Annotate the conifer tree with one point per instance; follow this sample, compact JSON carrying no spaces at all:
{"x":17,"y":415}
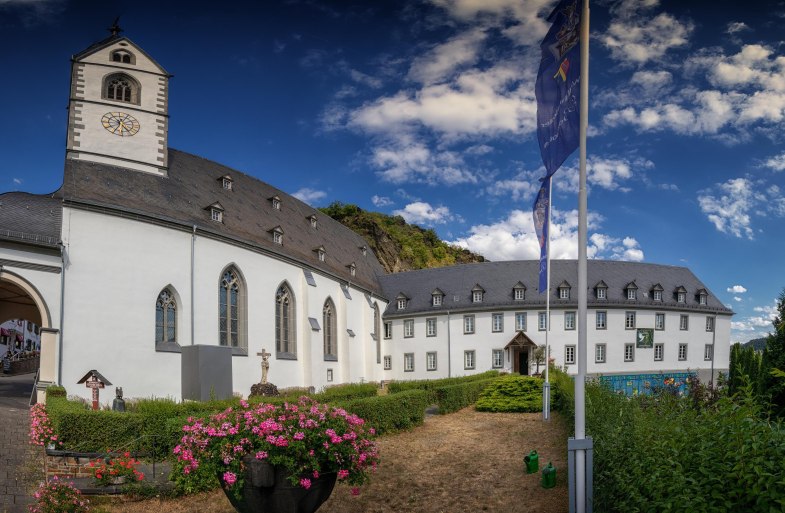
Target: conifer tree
{"x":774,"y":358}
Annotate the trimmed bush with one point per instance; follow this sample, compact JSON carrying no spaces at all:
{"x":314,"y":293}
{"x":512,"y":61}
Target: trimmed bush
{"x":432,"y":384}
{"x":455,"y":397}
{"x":512,"y":394}
{"x":394,"y":412}
{"x":347,"y":392}
{"x":55,"y":391}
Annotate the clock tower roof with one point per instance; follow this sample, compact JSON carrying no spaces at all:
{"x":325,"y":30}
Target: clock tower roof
{"x":112,"y":40}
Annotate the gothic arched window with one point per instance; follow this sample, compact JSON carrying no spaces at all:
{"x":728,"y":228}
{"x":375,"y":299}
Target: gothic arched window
{"x":285,"y":340}
{"x":231,"y":306}
{"x":165,"y":317}
{"x":123,"y":56}
{"x":330,"y":331}
{"x":120,"y":87}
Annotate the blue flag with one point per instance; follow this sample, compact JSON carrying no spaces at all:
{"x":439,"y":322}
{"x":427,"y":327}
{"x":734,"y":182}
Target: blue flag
{"x":558,"y":86}
{"x":541,"y":211}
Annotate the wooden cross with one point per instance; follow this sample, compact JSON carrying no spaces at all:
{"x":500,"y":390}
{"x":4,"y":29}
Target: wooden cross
{"x":265,"y":364}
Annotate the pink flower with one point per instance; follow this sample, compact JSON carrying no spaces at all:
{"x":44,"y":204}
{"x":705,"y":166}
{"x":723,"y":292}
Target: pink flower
{"x":355,"y":491}
{"x":343,"y":474}
{"x":230,"y":478}
{"x":305,"y":483}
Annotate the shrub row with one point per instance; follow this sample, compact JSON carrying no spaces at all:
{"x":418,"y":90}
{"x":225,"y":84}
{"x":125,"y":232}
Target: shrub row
{"x":669,"y":454}
{"x":512,"y":393}
{"x":431,"y":384}
{"x":394,"y":412}
{"x":455,"y":397}
{"x":346,"y":392}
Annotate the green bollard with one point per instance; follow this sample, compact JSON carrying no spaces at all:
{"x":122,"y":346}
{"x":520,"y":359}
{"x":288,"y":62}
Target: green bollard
{"x":549,"y":476}
{"x":532,"y":462}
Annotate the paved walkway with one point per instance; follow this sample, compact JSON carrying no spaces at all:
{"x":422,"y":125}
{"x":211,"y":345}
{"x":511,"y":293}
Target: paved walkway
{"x":17,"y":470}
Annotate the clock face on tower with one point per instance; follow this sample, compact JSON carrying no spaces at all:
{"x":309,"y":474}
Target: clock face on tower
{"x":120,"y":123}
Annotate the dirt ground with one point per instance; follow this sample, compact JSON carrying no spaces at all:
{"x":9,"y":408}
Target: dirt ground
{"x":462,"y":462}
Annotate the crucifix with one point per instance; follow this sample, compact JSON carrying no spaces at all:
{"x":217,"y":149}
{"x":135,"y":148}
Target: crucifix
{"x":265,"y":364}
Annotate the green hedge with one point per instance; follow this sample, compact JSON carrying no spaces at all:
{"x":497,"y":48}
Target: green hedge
{"x":346,"y":392}
{"x":394,"y":412}
{"x":455,"y":397}
{"x":430,"y":385}
{"x":512,"y":393}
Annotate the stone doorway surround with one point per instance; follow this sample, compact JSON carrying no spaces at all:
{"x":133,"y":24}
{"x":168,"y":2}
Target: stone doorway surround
{"x":520,"y":343}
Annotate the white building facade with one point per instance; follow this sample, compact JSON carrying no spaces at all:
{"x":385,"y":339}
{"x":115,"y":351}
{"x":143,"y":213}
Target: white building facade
{"x":145,"y":250}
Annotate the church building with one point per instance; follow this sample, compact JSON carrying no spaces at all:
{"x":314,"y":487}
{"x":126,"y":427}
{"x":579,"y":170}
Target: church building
{"x":146,"y":252}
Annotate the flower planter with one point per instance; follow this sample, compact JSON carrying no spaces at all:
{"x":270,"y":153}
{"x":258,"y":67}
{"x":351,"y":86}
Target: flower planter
{"x":267,"y":489}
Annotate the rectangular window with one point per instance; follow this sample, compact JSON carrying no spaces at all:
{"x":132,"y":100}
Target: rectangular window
{"x":629,"y":352}
{"x":401,"y":304}
{"x":477,"y":296}
{"x":684,"y":322}
{"x":564,"y":293}
{"x":217,"y":215}
{"x":408,"y":362}
{"x":702,"y":299}
{"x":708,"y":352}
{"x":468,"y":324}
{"x":497,"y":358}
{"x":329,"y":374}
{"x":629,"y":320}
{"x":408,"y":328}
{"x":681,"y":297}
{"x":468,"y":360}
{"x":659,"y":321}
{"x":569,"y":320}
{"x":659,"y":350}
{"x":602,"y":293}
{"x":430,"y":361}
{"x":520,"y":294}
{"x":430,"y":327}
{"x":542,"y":321}
{"x":657,"y":295}
{"x":437,"y":300}
{"x":277,"y":237}
{"x":387,"y":362}
{"x":497,"y":324}
{"x":682,"y":352}
{"x":569,"y":355}
{"x":388,"y":329}
{"x":599,"y":353}
{"x":709,"y":323}
{"x":632,"y":294}
{"x":602,"y":320}
{"x":520,"y":321}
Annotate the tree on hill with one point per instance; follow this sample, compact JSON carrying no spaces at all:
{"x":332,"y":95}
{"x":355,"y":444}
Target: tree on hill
{"x":774,"y":359}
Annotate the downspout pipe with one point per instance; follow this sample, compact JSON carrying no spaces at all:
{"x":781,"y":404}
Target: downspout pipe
{"x":59,"y":377}
{"x":449,"y":351}
{"x":193,"y":253}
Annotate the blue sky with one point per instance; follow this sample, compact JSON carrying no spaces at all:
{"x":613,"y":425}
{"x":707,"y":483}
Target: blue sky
{"x":425,"y":108}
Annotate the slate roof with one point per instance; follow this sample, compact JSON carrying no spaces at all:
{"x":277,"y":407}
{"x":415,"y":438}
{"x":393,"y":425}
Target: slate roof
{"x":30,"y":218}
{"x":499,"y":278}
{"x":248,"y":217}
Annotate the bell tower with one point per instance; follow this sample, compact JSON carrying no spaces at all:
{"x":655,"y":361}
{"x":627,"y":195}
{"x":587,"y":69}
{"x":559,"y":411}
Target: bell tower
{"x":118,"y":109}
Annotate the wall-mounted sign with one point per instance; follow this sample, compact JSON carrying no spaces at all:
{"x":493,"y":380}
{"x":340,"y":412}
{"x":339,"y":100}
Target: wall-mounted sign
{"x":644,"y":338}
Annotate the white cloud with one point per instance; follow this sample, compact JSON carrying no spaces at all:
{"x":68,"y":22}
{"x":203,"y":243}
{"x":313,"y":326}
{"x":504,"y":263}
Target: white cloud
{"x":514,"y":238}
{"x":423,"y":213}
{"x":309,"y":195}
{"x":443,"y":60}
{"x":737,"y":26}
{"x":737,"y":298}
{"x":17,"y":181}
{"x":381,"y":201}
{"x":634,"y":38}
{"x":412,"y":161}
{"x":737,"y":289}
{"x":730,"y":206}
{"x":777,"y":162}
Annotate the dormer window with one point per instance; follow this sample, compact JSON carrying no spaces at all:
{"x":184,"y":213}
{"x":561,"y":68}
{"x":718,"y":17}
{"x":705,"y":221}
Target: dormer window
{"x":320,"y":253}
{"x":276,"y":201}
{"x":226,"y":182}
{"x":364,"y":250}
{"x":216,"y":212}
{"x":277,"y":235}
{"x":703,"y":297}
{"x":352,"y":269}
{"x":519,"y":292}
{"x":312,"y":219}
{"x":437,"y":297}
{"x":120,"y":87}
{"x":477,"y":294}
{"x":656,"y":292}
{"x":681,"y":295}
{"x":564,"y":290}
{"x":632,"y":291}
{"x":601,"y":290}
{"x":123,"y":56}
{"x":401,"y":301}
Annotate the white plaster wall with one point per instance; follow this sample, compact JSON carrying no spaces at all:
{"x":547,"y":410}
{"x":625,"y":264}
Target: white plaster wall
{"x":46,"y":283}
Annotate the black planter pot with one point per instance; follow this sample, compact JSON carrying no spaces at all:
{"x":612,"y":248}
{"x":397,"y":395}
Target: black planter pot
{"x":267,"y":490}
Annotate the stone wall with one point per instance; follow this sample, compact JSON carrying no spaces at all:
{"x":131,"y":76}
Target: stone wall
{"x":70,"y":464}
{"x":23,"y":366}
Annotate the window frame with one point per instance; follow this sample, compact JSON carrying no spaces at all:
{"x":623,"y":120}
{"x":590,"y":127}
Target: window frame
{"x":542,"y":326}
{"x":656,"y":295}
{"x":629,"y":352}
{"x":629,"y":315}
{"x":683,"y":352}
{"x":430,"y":322}
{"x":436,"y":300}
{"x":569,"y":354}
{"x":601,"y":314}
{"x":387,"y":362}
{"x":428,"y":356}
{"x":285,"y":346}
{"x":518,"y":316}
{"x":469,"y":322}
{"x":408,"y":362}
{"x":164,"y":303}
{"x":494,"y":354}
{"x":659,"y":348}
{"x":709,"y":323}
{"x":477,"y":296}
{"x":401,"y":303}
{"x":684,"y":322}
{"x":408,"y":328}
{"x":569,"y":320}
{"x":518,"y":291}
{"x":469,"y":359}
{"x":134,"y":89}
{"x":564,"y":293}
{"x":330,"y":331}
{"x":600,"y":352}
{"x":494,"y":317}
{"x":240,"y":343}
{"x":388,"y":331}
{"x":602,"y":292}
{"x":708,"y":352}
{"x":659,"y":326}
{"x":632,"y":294}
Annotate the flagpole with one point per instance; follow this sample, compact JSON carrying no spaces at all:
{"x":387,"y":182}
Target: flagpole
{"x":580,"y":379}
{"x":546,"y":388}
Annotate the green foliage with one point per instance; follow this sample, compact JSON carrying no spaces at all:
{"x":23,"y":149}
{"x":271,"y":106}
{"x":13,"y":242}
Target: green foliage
{"x":431,"y":384}
{"x":398,"y":244}
{"x":664,"y":454}
{"x":772,"y":387}
{"x":347,"y":391}
{"x":455,"y":397}
{"x":55,"y":391}
{"x":512,"y":393}
{"x":390,"y":413}
{"x":745,"y":365}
